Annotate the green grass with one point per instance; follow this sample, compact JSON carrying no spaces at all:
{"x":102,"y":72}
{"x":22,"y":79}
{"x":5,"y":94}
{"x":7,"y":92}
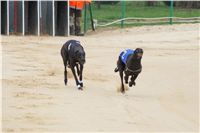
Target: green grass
{"x":178,"y":12}
{"x":109,"y":13}
{"x":114,"y":11}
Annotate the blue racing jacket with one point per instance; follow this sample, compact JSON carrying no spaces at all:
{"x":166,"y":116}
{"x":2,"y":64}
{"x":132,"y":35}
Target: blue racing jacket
{"x":124,"y":55}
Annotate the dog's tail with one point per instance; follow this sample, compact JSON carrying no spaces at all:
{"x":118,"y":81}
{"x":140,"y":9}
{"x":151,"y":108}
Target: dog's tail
{"x":116,"y":69}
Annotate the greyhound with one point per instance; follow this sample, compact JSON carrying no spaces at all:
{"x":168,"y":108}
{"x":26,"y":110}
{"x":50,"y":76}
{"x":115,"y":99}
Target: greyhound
{"x":73,"y":55}
{"x":129,"y":63}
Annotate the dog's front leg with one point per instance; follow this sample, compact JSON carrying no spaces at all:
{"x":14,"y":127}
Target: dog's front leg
{"x":75,"y":77}
{"x":126,"y":77}
{"x":78,"y":70}
{"x":133,"y":78}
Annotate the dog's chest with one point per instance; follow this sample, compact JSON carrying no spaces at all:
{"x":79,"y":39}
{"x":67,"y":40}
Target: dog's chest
{"x":134,"y":64}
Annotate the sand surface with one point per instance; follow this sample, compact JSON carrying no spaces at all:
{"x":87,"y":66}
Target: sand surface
{"x":165,"y":98}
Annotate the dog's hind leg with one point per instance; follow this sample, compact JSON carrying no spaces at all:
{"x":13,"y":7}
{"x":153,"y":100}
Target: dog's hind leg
{"x":65,"y":70}
{"x":65,"y":59}
{"x":122,"y":83}
{"x":65,"y":74}
{"x":120,"y":68}
{"x":80,"y":76}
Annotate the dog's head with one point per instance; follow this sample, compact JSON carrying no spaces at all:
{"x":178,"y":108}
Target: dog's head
{"x":80,"y":56}
{"x":138,"y":53}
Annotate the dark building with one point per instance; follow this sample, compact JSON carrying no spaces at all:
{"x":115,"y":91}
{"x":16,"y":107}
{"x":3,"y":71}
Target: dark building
{"x":35,"y":17}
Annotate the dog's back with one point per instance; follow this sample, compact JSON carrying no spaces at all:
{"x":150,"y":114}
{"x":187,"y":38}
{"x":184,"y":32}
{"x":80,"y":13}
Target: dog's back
{"x":73,"y":50}
{"x":70,"y":47}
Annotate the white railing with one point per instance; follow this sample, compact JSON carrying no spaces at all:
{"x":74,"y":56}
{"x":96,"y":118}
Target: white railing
{"x":180,"y":19}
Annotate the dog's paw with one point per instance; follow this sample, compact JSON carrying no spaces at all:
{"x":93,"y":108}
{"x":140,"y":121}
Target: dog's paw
{"x":123,"y":91}
{"x":130,"y":84}
{"x":79,"y":87}
{"x":81,"y":83}
{"x":65,"y":81}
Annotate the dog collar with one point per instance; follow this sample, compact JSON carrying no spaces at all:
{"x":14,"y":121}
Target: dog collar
{"x":127,"y":69}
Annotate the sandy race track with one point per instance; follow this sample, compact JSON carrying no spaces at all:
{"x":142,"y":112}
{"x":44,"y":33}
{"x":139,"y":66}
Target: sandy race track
{"x":165,"y":98}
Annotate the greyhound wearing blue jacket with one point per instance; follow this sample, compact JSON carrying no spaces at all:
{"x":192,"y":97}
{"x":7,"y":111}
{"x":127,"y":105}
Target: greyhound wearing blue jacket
{"x":129,"y":63}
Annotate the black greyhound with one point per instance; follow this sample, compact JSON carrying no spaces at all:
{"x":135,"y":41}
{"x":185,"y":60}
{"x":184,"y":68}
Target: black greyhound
{"x":73,"y":55}
{"x":129,"y":63}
